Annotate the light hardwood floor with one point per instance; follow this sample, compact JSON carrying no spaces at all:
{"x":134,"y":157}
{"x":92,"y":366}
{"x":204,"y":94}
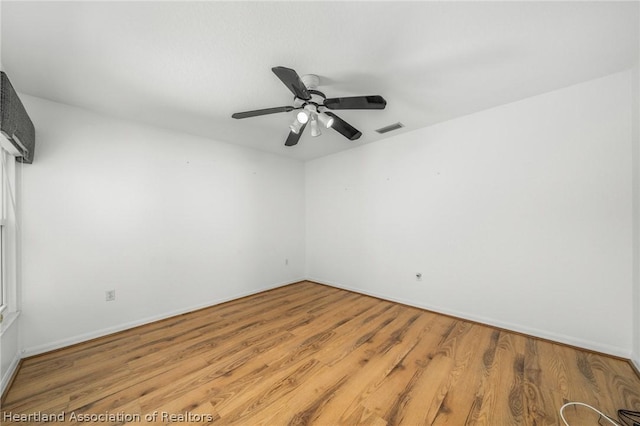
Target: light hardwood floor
{"x":311,"y":354}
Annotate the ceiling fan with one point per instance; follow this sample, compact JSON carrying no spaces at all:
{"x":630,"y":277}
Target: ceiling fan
{"x":313,"y":107}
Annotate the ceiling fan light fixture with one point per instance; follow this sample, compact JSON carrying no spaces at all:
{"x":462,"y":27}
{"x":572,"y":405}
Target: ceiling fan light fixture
{"x":296,"y":126}
{"x":315,"y":128}
{"x":325,"y":119}
{"x":302,"y":116}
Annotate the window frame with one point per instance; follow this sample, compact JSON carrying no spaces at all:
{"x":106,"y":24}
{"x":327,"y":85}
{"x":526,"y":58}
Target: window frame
{"x":7,"y":292}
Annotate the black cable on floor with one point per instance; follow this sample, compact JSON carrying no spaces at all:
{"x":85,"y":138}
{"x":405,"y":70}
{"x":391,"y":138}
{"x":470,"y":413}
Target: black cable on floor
{"x":629,"y":418}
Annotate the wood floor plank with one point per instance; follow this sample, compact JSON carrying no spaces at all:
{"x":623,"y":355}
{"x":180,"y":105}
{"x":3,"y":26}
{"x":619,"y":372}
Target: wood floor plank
{"x":461,"y":393}
{"x":540,"y":407}
{"x":328,"y":380}
{"x":379,"y":361}
{"x":384,"y":397}
{"x":441,"y":373}
{"x":311,"y":354}
{"x":500,"y":394}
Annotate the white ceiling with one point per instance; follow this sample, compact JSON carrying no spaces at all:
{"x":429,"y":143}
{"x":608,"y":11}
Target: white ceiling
{"x":188,"y":66}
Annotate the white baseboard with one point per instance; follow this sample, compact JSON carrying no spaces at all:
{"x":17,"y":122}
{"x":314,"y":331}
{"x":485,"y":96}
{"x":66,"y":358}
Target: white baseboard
{"x":518,"y":328}
{"x":36,"y":350}
{"x":635,"y":360}
{"x":9,"y":373}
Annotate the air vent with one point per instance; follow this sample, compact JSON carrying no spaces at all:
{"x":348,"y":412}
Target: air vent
{"x":390,"y":128}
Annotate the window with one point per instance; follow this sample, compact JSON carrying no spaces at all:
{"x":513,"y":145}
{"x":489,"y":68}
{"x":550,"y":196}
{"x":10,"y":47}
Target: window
{"x":8,"y":233}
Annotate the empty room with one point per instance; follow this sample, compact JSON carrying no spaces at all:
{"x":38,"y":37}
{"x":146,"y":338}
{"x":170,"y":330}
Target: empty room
{"x":326,"y":212}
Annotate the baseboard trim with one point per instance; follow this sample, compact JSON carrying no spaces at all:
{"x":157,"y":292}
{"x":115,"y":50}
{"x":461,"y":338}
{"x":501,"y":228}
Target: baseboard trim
{"x":581,"y":344}
{"x":635,"y":364}
{"x":81,"y":338}
{"x":9,"y":377}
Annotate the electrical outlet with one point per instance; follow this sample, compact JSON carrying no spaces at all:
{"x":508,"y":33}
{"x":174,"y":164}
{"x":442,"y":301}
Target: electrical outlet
{"x":418,"y":276}
{"x":286,"y":262}
{"x":110,"y":295}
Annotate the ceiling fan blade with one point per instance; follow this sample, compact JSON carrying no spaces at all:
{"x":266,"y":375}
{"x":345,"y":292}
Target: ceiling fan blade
{"x":356,"y":102}
{"x":344,"y":128}
{"x":294,"y":137}
{"x":265,"y":111}
{"x":291,"y":79}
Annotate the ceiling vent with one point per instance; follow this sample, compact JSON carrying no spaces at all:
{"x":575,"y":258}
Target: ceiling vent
{"x":390,"y":128}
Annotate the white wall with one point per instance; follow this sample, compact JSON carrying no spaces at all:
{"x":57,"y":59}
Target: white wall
{"x":518,"y":216}
{"x":170,"y":221}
